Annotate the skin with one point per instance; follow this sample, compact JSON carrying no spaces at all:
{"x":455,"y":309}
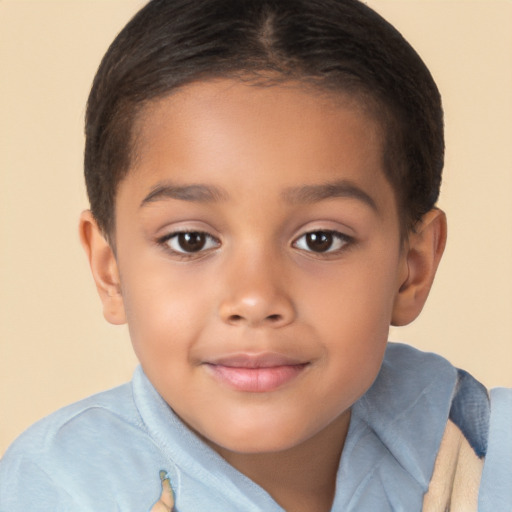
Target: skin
{"x":261,"y":285}
{"x":166,"y":501}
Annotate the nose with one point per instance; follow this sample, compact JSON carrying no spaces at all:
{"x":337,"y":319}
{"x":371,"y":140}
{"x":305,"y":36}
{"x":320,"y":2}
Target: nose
{"x":256,"y":294}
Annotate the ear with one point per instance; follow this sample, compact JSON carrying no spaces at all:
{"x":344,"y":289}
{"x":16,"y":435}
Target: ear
{"x":423,"y":253}
{"x":104,"y":268}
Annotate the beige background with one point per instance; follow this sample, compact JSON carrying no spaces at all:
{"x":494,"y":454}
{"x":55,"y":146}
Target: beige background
{"x":55,"y":346}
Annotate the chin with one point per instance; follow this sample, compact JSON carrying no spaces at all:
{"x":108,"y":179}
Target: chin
{"x":253,"y":441}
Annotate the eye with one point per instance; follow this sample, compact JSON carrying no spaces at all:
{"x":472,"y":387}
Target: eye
{"x":188,"y":242}
{"x":322,"y":241}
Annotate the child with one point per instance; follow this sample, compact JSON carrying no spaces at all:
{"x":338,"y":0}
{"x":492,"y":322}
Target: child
{"x":263,"y":178}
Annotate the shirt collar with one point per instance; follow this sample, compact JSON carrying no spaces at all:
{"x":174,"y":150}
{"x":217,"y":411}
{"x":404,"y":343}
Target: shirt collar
{"x":407,"y":407}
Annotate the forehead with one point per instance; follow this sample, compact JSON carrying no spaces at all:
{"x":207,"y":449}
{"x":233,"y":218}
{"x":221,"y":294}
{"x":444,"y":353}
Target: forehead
{"x":280,"y":102}
{"x":233,"y":132}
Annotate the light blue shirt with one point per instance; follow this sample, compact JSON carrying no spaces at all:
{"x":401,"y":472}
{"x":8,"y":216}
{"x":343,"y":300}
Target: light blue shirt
{"x":105,"y":453}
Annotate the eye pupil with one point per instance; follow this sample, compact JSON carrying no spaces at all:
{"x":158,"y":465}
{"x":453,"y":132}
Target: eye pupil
{"x":192,"y":242}
{"x":319,"y":241}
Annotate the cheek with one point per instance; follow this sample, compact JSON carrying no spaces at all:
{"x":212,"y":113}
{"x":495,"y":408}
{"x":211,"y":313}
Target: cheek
{"x":164,"y":310}
{"x":358,"y":293}
{"x":351,"y":309}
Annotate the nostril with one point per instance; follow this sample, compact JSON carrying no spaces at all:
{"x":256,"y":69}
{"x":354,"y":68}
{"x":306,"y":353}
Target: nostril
{"x":235,"y":319}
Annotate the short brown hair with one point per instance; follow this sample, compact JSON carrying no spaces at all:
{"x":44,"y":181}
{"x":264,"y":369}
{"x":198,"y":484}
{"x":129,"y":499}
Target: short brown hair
{"x":339,"y":44}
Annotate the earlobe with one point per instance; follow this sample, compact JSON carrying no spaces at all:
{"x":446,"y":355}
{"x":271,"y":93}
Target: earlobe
{"x":422,"y":256}
{"x":103,"y":267}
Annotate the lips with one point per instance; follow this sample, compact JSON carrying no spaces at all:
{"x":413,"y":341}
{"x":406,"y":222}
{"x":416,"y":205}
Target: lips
{"x":255,"y":373}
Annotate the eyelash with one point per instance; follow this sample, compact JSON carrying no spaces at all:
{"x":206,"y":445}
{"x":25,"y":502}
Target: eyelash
{"x":336,"y":238}
{"x":209,"y":242}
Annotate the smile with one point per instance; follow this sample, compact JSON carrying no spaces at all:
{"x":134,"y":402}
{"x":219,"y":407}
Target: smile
{"x":255,"y":374}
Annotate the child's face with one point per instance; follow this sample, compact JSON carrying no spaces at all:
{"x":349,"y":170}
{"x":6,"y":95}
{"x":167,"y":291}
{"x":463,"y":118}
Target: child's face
{"x":270,"y":318}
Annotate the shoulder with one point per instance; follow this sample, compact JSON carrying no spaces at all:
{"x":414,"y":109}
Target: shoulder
{"x":78,"y":420}
{"x":405,"y":357}
{"x":409,"y":401}
{"x":414,"y":395}
{"x":496,"y":486}
{"x":450,"y":396}
{"x":456,"y":392}
{"x":55,"y":456}
{"x":408,"y":374}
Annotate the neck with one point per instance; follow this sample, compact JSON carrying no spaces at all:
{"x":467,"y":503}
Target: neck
{"x":302,"y":478}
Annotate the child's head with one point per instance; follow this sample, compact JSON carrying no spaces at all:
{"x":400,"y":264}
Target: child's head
{"x":256,"y":164}
{"x":332,"y":45}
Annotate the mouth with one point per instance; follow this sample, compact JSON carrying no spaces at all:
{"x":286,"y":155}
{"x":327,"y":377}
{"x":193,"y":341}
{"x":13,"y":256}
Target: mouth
{"x":255,"y":373}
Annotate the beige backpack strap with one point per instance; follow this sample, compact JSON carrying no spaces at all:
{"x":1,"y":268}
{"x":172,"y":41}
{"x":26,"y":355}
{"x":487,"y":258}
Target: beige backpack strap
{"x":456,"y":478}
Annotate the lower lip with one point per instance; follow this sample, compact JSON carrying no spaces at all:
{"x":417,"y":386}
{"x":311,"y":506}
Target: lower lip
{"x":256,"y":380}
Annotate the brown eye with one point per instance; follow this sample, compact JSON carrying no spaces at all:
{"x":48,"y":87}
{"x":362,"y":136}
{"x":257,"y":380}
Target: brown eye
{"x":319,"y":241}
{"x":322,"y":241}
{"x":191,"y":242}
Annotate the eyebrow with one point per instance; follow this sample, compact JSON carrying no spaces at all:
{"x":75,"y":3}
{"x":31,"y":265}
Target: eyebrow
{"x":303,"y":194}
{"x":195,"y":193}
{"x":316,"y":193}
